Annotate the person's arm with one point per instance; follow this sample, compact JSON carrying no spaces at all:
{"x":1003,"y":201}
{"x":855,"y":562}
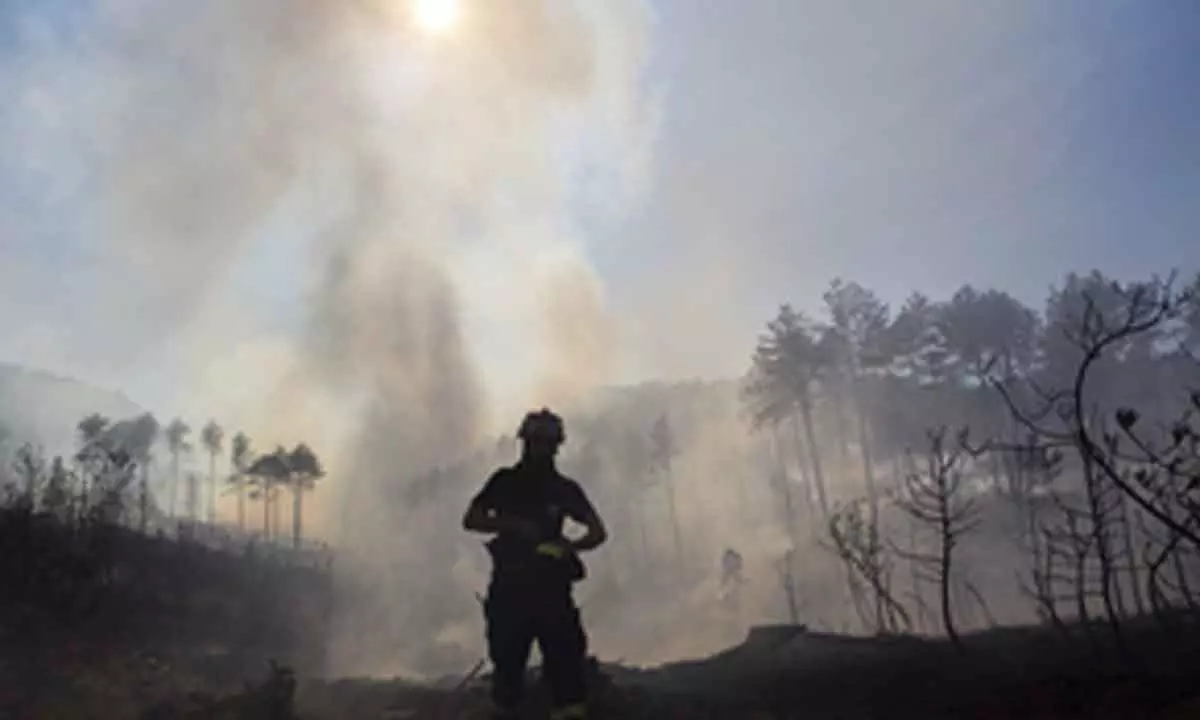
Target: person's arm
{"x":482,"y":517}
{"x":580,"y":509}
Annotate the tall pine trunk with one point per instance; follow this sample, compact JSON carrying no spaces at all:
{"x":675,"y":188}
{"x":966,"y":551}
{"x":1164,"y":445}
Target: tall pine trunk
{"x":144,"y":495}
{"x":802,"y":471}
{"x":266,"y":502}
{"x":84,"y":489}
{"x":864,"y":440}
{"x":174,"y":489}
{"x":297,"y":507}
{"x":843,"y":440}
{"x":785,"y":488}
{"x":193,"y":498}
{"x":241,"y":501}
{"x":814,"y":456}
{"x":914,"y":573}
{"x":212,"y":488}
{"x":668,"y":478}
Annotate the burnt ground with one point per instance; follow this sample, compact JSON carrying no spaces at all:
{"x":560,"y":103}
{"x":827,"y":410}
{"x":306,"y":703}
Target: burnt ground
{"x":777,"y":673}
{"x":784,"y":672}
{"x":109,"y":625}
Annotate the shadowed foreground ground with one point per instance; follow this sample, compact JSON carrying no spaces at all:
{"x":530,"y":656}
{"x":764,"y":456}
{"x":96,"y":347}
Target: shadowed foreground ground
{"x":783,"y":672}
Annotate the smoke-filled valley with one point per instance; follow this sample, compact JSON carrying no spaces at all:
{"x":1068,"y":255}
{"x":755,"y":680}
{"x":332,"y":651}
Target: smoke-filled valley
{"x":322,"y":257}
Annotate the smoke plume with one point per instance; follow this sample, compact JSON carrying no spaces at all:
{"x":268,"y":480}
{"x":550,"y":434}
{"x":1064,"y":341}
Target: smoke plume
{"x":321,"y":223}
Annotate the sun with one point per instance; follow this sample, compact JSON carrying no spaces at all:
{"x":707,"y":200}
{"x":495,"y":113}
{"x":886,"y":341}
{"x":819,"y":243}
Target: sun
{"x":436,"y":16}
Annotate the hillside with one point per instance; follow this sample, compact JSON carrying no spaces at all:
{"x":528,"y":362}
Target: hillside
{"x":787,"y":672}
{"x":97,"y":616}
{"x":40,"y":407}
{"x":101,"y":622}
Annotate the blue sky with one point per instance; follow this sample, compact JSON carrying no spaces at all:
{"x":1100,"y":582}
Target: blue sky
{"x":997,"y":142}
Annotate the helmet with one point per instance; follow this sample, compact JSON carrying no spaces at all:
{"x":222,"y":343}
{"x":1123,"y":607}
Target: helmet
{"x":542,"y":425}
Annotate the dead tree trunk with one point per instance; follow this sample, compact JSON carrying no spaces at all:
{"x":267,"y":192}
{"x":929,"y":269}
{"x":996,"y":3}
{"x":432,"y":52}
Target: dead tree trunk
{"x":934,"y":498}
{"x":857,"y":544}
{"x":1100,"y":517}
{"x":1129,"y":550}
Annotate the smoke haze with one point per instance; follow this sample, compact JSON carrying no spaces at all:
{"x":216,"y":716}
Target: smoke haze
{"x":328,"y":224}
{"x":313,"y":221}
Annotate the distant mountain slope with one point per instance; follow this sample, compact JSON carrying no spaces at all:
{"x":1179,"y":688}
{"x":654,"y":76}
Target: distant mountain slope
{"x":37,"y":406}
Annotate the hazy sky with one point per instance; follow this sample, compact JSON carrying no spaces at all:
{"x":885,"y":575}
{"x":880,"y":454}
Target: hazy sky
{"x":779,"y":144}
{"x":991,"y":142}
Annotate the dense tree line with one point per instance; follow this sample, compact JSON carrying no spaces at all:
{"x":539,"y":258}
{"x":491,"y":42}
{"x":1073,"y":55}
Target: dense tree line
{"x":115,"y":475}
{"x":886,"y":434}
{"x":1080,"y":414}
{"x":118,"y":541}
{"x":865,"y":382}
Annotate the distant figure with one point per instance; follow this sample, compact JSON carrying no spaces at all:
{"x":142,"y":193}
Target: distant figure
{"x":533,"y":570}
{"x":731,"y":577}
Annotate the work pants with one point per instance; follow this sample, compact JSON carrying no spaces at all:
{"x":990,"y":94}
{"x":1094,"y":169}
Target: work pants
{"x":519,"y":613}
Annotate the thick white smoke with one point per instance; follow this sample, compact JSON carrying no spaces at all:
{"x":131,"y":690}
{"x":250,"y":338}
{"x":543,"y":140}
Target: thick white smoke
{"x":318,"y":223}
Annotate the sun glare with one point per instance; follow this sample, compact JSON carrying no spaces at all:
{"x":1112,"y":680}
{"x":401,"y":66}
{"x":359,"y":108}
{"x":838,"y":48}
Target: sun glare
{"x":436,"y":16}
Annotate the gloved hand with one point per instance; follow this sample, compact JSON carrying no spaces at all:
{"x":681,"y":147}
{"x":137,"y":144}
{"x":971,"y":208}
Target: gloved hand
{"x":556,"y":549}
{"x":564,"y":555}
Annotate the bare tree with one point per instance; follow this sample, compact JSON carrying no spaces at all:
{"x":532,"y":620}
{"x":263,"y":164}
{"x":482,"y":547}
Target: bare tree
{"x":1169,"y":476}
{"x":1122,"y":489}
{"x":1070,"y":543}
{"x":1119,"y":466}
{"x":785,"y":567}
{"x":855,"y":540}
{"x":1162,"y":483}
{"x":1159,"y":550}
{"x":1030,"y":471}
{"x":935,"y":498}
